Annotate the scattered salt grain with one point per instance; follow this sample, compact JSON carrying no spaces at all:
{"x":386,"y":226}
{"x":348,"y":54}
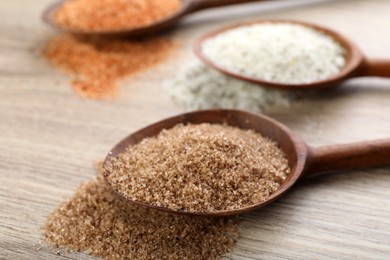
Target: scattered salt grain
{"x":97,"y":221}
{"x":200,"y":87}
{"x":96,"y":64}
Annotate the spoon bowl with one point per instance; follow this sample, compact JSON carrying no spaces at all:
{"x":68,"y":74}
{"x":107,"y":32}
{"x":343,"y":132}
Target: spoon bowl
{"x":303,"y":160}
{"x":187,"y":7}
{"x":356,"y":64}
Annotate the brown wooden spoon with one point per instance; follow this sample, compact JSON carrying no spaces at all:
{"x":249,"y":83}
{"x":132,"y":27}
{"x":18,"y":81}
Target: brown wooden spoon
{"x":303,"y":159}
{"x":188,"y":7}
{"x":357,"y":65}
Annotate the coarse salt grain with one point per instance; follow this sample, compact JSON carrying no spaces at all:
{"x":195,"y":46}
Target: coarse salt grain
{"x":200,"y":87}
{"x":199,"y":168}
{"x":97,"y":221}
{"x":102,"y":15}
{"x":276,"y":52}
{"x":97,"y":64}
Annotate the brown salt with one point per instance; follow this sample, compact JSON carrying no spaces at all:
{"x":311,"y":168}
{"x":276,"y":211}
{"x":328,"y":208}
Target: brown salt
{"x":97,"y":64}
{"x":95,"y":220}
{"x":199,"y":168}
{"x":102,"y":15}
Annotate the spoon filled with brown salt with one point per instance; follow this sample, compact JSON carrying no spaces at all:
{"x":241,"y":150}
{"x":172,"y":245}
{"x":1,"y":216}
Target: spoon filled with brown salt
{"x":118,"y":18}
{"x":286,"y":54}
{"x":223,"y":162}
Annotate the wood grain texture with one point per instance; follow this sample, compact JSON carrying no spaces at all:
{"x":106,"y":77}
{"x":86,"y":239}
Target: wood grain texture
{"x":50,"y":137}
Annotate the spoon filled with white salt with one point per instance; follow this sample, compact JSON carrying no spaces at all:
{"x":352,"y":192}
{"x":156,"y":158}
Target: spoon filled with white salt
{"x":286,"y":54}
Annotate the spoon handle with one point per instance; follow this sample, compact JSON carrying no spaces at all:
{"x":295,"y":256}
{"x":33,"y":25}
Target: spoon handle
{"x":348,"y":156}
{"x":376,"y":68}
{"x":197,"y":5}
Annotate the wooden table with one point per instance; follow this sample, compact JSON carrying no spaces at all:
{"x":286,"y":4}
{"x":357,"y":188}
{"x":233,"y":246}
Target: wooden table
{"x":49,"y":137}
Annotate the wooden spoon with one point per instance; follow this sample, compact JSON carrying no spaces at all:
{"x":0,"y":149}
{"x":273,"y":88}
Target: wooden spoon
{"x":303,"y":159}
{"x":357,"y":65}
{"x":188,"y":7}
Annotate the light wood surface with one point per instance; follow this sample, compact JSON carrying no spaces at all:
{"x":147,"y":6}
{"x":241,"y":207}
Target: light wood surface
{"x":49,"y":137}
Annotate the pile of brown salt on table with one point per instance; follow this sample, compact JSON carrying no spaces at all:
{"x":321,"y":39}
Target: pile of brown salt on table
{"x":97,"y":221}
{"x":101,"y":15}
{"x":199,"y":168}
{"x":97,"y":64}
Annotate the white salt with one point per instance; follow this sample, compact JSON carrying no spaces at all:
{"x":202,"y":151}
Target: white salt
{"x":276,"y":52}
{"x":199,"y":87}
